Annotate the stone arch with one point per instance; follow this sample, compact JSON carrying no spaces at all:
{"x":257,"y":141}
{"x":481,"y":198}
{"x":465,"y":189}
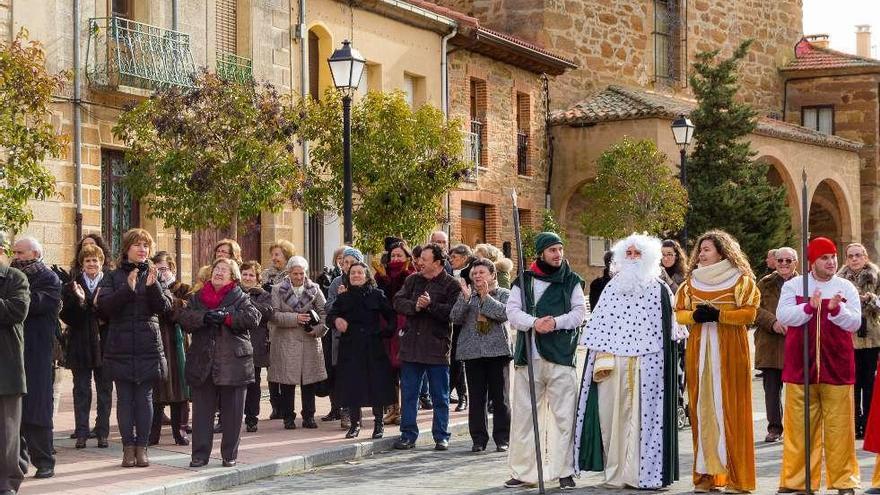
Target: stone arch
{"x":830,"y":215}
{"x":778,"y":175}
{"x":573,"y":204}
{"x":319,"y":55}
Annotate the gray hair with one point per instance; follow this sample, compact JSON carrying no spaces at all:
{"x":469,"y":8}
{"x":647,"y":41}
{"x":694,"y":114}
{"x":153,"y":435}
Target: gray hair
{"x":297,"y":261}
{"x":462,"y":250}
{"x":438,"y":232}
{"x":33,"y":243}
{"x":785,"y":250}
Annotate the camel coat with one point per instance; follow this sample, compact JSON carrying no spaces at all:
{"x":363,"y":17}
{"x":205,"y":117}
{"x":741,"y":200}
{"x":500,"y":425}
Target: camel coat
{"x":295,"y":357}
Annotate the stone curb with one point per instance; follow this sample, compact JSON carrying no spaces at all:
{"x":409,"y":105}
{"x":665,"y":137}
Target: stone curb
{"x":220,"y":478}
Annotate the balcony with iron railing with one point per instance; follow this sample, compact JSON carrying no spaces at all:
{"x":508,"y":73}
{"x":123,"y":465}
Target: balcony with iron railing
{"x":522,"y":153}
{"x":473,"y":148}
{"x":234,"y":68}
{"x":122,"y":53}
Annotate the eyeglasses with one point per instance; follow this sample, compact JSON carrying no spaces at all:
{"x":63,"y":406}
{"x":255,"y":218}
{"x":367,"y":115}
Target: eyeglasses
{"x":785,"y":260}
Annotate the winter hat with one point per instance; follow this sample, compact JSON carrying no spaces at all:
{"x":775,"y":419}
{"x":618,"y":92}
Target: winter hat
{"x":545,"y":240}
{"x":354,"y":253}
{"x":818,"y":247}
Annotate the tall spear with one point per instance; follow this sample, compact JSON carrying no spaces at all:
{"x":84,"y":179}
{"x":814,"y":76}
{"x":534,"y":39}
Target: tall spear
{"x":805,"y":273}
{"x":528,"y":339}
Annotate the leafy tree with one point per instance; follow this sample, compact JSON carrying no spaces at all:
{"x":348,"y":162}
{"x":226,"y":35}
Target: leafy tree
{"x":26,"y":134}
{"x":548,"y":224}
{"x":728,"y":189}
{"x":634,"y":191}
{"x":403,"y":161}
{"x":211,"y":155}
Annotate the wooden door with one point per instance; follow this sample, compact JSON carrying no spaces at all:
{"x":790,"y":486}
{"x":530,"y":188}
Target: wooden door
{"x":473,"y":224}
{"x":205,"y":239}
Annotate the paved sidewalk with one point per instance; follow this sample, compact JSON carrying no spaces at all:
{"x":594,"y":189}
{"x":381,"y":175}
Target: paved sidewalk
{"x":270,"y":451}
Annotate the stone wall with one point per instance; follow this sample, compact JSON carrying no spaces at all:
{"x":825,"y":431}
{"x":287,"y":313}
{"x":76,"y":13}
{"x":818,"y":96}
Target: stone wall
{"x":857,"y":117}
{"x":612,"y":41}
{"x":494,"y":181}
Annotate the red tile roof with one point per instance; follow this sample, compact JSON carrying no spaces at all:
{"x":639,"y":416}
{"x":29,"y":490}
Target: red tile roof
{"x":811,"y":57}
{"x":616,"y":103}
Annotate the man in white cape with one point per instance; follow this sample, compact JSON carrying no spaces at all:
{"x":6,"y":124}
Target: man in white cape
{"x":626,"y":422}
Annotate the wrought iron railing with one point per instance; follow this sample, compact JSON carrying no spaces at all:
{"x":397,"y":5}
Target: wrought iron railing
{"x":235,"y":68}
{"x":474,"y":149}
{"x":522,"y":153}
{"x":122,"y":52}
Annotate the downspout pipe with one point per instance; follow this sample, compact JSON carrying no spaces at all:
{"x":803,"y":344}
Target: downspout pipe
{"x":77,"y":122}
{"x":178,"y":242}
{"x":304,"y":90}
{"x":444,"y":104}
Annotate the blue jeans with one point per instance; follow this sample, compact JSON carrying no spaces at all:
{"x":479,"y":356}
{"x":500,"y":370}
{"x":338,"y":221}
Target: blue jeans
{"x":411,"y":375}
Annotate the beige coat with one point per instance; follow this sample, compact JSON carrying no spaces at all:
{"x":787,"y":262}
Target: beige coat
{"x":867,"y":281}
{"x":295,"y":357}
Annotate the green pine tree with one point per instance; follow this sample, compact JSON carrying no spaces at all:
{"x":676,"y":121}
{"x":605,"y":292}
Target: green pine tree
{"x":727,"y":189}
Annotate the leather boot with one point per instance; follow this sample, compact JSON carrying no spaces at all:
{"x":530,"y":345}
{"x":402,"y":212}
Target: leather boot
{"x":141,"y":457}
{"x":128,"y":456}
{"x":462,"y":403}
{"x":393,"y":416}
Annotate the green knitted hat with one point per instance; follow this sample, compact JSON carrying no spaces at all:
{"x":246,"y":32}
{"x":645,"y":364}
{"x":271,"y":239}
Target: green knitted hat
{"x":545,"y":240}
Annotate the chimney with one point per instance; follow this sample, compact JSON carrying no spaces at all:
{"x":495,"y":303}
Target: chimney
{"x":818,"y":40}
{"x":863,"y":40}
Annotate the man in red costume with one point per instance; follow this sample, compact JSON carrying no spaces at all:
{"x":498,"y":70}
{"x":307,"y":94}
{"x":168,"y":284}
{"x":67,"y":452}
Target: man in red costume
{"x":831,"y":314}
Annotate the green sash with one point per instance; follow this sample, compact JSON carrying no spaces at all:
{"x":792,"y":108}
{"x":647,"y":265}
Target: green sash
{"x":559,"y":345}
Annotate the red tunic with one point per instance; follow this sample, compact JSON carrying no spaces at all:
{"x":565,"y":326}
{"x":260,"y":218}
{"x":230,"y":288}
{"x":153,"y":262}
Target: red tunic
{"x":836,"y":356}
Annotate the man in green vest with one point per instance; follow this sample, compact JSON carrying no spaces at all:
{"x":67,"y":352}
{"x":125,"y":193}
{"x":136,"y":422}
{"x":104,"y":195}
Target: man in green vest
{"x":548,"y":298}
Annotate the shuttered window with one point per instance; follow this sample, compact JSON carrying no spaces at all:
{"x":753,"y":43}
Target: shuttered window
{"x":227,"y":21}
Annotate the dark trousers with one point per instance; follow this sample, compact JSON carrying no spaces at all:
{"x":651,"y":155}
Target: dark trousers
{"x":11,"y":472}
{"x":773,"y":399}
{"x":205,"y":400}
{"x":36,"y":446}
{"x":457,"y":371}
{"x":355,"y":412}
{"x":275,"y":395}
{"x":178,"y":413}
{"x":252,"y":401}
{"x":288,"y":405}
{"x":411,"y":376}
{"x":489,"y":379}
{"x":82,"y":401}
{"x":866,"y":368}
{"x":134,"y":411}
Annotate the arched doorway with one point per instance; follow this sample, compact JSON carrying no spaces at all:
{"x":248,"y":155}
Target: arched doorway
{"x":829,"y":216}
{"x":777,"y":175}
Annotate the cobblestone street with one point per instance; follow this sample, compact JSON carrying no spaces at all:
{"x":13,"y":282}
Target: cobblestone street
{"x":459,"y":471}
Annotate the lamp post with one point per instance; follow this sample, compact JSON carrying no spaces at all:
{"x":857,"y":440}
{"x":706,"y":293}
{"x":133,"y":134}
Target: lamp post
{"x":346,"y":67}
{"x":683,"y":132}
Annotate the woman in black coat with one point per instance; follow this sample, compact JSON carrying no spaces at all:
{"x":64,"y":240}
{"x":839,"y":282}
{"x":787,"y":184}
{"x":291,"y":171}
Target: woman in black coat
{"x":131,"y":300}
{"x":360,"y":315}
{"x":220,"y":362}
{"x":251,"y":281}
{"x":86,"y":336}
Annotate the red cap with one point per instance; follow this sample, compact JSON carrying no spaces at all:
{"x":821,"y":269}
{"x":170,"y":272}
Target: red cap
{"x":818,"y":247}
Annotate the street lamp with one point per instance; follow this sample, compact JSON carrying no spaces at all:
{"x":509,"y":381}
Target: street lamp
{"x":346,"y":67}
{"x":683,"y":132}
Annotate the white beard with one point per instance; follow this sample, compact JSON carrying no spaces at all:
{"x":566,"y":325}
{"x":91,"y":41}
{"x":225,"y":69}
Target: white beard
{"x":632,"y":276}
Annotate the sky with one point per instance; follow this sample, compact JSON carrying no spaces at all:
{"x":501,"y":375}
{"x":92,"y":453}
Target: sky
{"x":838,"y":18}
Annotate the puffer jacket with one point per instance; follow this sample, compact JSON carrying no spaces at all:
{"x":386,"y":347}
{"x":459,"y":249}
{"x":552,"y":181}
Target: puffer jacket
{"x":134,"y":350}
